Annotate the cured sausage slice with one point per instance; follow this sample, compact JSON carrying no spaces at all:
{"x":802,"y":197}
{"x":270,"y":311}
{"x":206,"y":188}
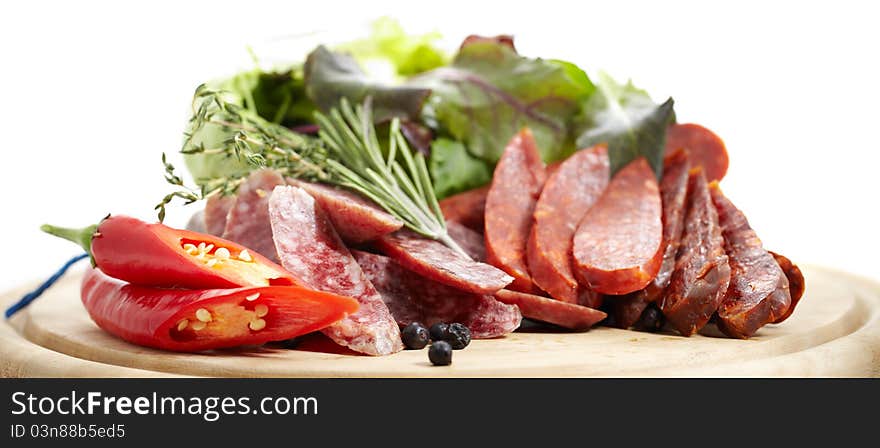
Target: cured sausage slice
{"x":673,"y":191}
{"x":759,"y":290}
{"x":355,"y":218}
{"x":706,"y":149}
{"x":469,"y":240}
{"x":702,"y":274}
{"x":796,"y":283}
{"x":434,"y":260}
{"x":567,"y":195}
{"x":248,"y":220}
{"x":413,"y":298}
{"x":216,"y":209}
{"x":617,"y":245}
{"x":310,"y":248}
{"x":557,"y":312}
{"x":510,"y":203}
{"x":467,"y":208}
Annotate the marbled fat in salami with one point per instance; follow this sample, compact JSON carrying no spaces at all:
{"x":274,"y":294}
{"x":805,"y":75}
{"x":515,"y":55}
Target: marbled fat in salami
{"x":567,"y":195}
{"x":510,"y":203}
{"x":309,"y":247}
{"x":355,"y":218}
{"x":247,"y":222}
{"x":702,"y":274}
{"x":413,"y":298}
{"x":759,"y":290}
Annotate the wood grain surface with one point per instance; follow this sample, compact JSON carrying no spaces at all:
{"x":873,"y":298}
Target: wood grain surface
{"x":834,"y":332}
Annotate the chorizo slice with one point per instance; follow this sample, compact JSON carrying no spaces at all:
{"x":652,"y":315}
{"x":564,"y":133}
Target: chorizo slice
{"x":247,"y":222}
{"x":355,"y":218}
{"x":557,"y":312}
{"x":469,"y":240}
{"x":759,"y":290}
{"x":673,"y":190}
{"x":467,"y":208}
{"x":796,"y":283}
{"x":702,"y":273}
{"x":510,"y":203}
{"x":617,"y":245}
{"x":567,"y":195}
{"x":413,"y":298}
{"x":706,"y":149}
{"x":309,"y":247}
{"x":434,"y":260}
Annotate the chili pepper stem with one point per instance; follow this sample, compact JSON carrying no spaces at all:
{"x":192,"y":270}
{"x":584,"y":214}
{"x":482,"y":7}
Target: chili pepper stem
{"x":82,"y":237}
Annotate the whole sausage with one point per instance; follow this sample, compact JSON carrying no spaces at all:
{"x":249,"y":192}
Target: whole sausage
{"x":706,"y":149}
{"x":617,"y":246}
{"x":510,"y":203}
{"x":759,"y":290}
{"x":702,"y":273}
{"x":567,"y":195}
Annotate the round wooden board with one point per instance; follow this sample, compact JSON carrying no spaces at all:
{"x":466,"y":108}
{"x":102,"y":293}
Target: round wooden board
{"x":834,"y":332}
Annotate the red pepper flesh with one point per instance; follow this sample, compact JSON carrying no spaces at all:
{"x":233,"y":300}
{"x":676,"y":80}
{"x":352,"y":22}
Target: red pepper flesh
{"x":196,"y":320}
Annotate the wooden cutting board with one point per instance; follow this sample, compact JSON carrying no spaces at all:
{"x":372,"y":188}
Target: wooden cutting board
{"x":834,"y":332}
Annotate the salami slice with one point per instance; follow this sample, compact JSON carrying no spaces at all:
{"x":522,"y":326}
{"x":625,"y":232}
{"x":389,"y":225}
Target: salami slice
{"x":557,"y":312}
{"x":510,"y":203}
{"x":469,"y":240}
{"x":434,"y":260}
{"x":617,"y":245}
{"x":356,"y":219}
{"x":673,"y":190}
{"x":413,"y":298}
{"x":567,"y":195}
{"x":759,"y":290}
{"x":248,"y":220}
{"x":705,"y":148}
{"x":310,"y":248}
{"x":216,"y":209}
{"x":467,"y":208}
{"x":702,"y":274}
{"x":796,"y":284}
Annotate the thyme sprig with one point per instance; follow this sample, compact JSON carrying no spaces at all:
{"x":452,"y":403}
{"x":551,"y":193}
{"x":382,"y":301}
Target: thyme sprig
{"x":347,"y":154}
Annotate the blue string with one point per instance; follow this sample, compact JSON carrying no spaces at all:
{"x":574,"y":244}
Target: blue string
{"x":31,"y":296}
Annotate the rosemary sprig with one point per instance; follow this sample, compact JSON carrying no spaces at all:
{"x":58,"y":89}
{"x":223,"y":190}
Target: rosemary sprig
{"x":347,"y":154}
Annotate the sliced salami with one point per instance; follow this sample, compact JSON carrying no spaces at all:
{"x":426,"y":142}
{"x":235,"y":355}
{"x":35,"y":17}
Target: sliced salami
{"x":309,"y":247}
{"x":567,"y":195}
{"x":216,"y":209}
{"x":796,"y":284}
{"x":470,"y":240}
{"x":355,"y":218}
{"x":434,"y":260}
{"x":557,"y":312}
{"x":248,"y":220}
{"x":413,"y":298}
{"x":510,"y":203}
{"x":467,"y":208}
{"x":702,"y":274}
{"x":673,"y":190}
{"x":759,"y":290}
{"x":618,"y":243}
{"x":705,"y":148}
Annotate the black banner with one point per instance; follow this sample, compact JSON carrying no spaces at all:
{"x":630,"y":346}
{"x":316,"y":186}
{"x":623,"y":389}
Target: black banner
{"x":123,"y":412}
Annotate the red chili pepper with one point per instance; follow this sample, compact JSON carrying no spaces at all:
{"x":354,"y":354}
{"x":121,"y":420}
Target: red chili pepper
{"x":195,"y":320}
{"x":157,"y":255}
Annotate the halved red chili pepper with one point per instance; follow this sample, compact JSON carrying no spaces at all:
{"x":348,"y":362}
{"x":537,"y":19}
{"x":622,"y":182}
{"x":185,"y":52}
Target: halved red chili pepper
{"x":196,"y":320}
{"x":145,"y":254}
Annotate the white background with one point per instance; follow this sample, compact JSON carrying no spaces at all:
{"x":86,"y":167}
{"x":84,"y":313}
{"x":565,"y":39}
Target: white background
{"x":93,"y":93}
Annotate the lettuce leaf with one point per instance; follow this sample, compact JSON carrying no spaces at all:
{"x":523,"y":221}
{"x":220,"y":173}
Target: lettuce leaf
{"x":625,"y":118}
{"x":489,"y":92}
{"x":454,"y":170}
{"x":390,"y":44}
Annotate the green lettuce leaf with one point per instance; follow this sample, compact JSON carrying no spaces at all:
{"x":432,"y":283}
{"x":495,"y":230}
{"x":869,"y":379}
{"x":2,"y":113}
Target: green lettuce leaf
{"x":389,"y":44}
{"x":489,"y":92}
{"x":329,"y":76}
{"x":454,"y":170}
{"x":276,"y":96}
{"x":625,"y":118}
